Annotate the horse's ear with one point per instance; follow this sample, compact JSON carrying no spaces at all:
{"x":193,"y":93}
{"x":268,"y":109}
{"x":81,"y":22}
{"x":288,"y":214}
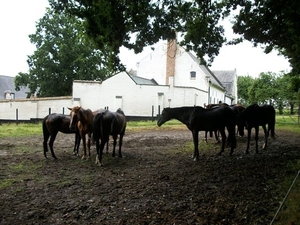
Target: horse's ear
{"x":69,"y":108}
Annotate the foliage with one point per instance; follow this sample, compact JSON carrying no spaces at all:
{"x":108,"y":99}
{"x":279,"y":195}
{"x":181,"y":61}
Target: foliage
{"x":136,"y":24}
{"x":243,"y":84}
{"x":270,"y":88}
{"x":63,"y":54}
{"x":274,"y":24}
{"x":21,"y":129}
{"x":263,"y":89}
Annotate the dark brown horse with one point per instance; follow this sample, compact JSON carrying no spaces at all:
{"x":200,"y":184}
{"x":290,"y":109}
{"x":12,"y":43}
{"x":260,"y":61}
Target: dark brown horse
{"x":199,"y":119}
{"x":83,"y":120}
{"x":253,"y":117}
{"x":54,"y":123}
{"x":237,"y":109}
{"x":108,"y":123}
{"x":216,"y":133}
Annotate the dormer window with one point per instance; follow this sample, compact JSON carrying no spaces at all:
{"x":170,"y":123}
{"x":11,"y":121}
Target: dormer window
{"x":193,"y":75}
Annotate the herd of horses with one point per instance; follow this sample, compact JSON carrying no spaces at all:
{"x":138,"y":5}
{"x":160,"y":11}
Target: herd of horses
{"x":83,"y":122}
{"x":99,"y":125}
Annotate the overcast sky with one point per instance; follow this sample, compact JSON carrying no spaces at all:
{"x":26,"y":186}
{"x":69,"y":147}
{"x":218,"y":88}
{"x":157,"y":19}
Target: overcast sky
{"x":18,"y":19}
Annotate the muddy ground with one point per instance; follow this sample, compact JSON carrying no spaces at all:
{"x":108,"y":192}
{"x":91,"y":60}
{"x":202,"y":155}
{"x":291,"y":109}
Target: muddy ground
{"x":156,"y":182}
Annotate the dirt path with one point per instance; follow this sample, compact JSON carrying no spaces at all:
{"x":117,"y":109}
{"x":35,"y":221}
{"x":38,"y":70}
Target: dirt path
{"x":156,"y":182}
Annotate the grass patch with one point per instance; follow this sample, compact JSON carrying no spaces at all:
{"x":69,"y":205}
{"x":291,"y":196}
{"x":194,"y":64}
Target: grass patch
{"x":21,"y":129}
{"x":22,"y":171}
{"x":289,"y":213}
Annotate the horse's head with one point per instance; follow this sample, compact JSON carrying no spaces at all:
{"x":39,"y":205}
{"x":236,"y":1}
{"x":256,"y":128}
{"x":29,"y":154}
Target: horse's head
{"x":164,"y":117}
{"x":74,"y":117}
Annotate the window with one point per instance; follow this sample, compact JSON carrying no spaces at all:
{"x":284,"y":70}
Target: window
{"x":193,"y":74}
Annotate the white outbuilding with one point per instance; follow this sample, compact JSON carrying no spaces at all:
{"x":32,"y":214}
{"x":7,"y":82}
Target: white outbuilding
{"x":168,"y":77}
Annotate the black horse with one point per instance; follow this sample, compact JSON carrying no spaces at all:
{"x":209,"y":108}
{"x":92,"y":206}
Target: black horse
{"x":238,"y":109}
{"x":216,"y":133}
{"x":105,"y":124}
{"x":52,"y":124}
{"x":199,"y":119}
{"x":253,"y":117}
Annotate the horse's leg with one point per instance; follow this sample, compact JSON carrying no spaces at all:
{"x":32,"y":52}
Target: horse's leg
{"x":77,"y":144}
{"x":115,"y":143}
{"x":100,"y":150}
{"x":99,"y":155}
{"x":89,"y":144}
{"x":52,"y":138}
{"x":223,"y":135}
{"x":120,"y":145}
{"x":205,"y":138}
{"x":231,"y":138}
{"x":82,"y":135}
{"x":77,"y":138}
{"x":256,"y":138}
{"x":217,"y":135}
{"x":266,"y":136}
{"x":196,"y":142}
{"x":248,"y":141}
{"x":45,"y":143}
{"x":107,"y":146}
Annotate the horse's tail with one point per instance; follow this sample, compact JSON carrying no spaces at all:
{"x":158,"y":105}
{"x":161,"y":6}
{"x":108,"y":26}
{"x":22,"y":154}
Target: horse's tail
{"x":271,"y":125}
{"x":46,"y":135}
{"x":231,"y":137}
{"x":97,"y":126}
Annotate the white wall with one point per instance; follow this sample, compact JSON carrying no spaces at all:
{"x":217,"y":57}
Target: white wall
{"x":120,"y":91}
{"x":153,"y":66}
{"x":34,"y":108}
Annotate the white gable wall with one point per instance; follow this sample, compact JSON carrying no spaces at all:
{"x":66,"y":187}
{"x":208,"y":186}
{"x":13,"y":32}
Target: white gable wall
{"x":153,"y":66}
{"x":120,"y":91}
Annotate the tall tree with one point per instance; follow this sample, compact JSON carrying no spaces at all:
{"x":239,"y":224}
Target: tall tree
{"x":244,"y":83}
{"x":264,"y":89}
{"x":64,"y":53}
{"x":273,"y":23}
{"x":288,"y":91}
{"x":139,"y":23}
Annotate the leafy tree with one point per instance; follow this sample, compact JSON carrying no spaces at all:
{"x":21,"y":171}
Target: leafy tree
{"x":270,"y":88}
{"x":264,"y":89}
{"x":63,"y":54}
{"x":244,"y":83}
{"x":274,"y":24}
{"x":139,"y":23}
{"x":288,"y":90}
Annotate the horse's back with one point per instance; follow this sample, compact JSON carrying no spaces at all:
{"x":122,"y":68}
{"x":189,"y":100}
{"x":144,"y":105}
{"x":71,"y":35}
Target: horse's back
{"x":57,"y":122}
{"x":213,"y":119}
{"x":259,"y":115}
{"x":120,"y":121}
{"x":111,"y":122}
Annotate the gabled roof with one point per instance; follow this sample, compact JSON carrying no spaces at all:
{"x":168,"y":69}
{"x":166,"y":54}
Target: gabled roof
{"x":141,"y":80}
{"x":214,"y":80}
{"x":227,"y":77}
{"x":7,"y":85}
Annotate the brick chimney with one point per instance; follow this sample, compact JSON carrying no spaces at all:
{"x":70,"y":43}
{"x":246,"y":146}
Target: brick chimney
{"x":170,"y":64}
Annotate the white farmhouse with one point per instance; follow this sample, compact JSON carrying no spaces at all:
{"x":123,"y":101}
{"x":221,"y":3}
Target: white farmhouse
{"x":168,"y":77}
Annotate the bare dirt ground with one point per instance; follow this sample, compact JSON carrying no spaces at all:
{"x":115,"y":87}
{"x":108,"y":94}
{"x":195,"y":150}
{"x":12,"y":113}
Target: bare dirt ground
{"x":156,"y":182}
